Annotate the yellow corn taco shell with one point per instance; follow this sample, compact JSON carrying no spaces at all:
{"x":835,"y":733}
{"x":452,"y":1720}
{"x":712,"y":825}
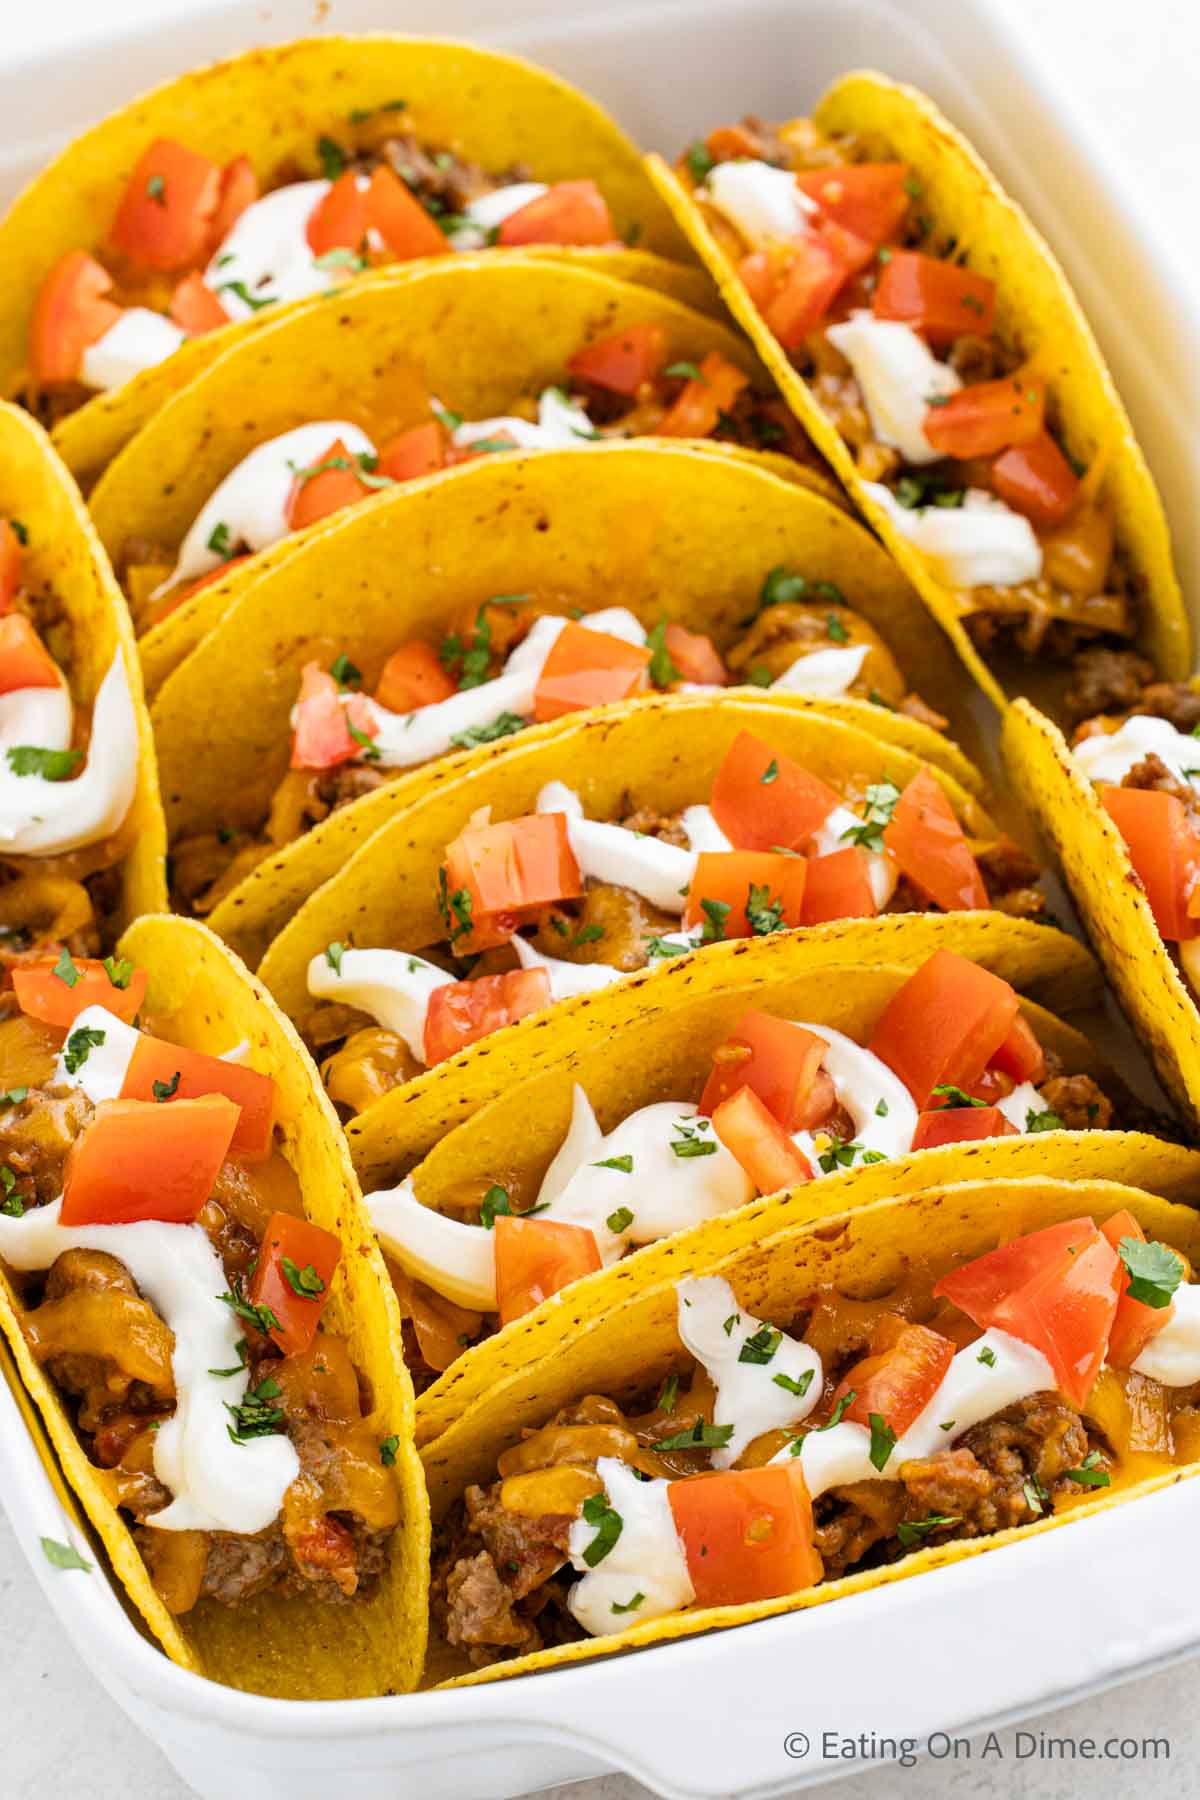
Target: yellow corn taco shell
{"x":272,"y":105}
{"x":666,"y":1021}
{"x":662,"y":753}
{"x":89,"y":438}
{"x":477,"y":333}
{"x":621,"y":1337}
{"x":199,"y":995}
{"x":668,"y":532}
{"x":1035,"y":309}
{"x":1110,"y":898}
{"x":88,"y":625}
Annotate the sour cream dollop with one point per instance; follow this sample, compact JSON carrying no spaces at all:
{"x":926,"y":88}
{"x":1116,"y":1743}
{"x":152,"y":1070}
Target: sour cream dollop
{"x":646,"y":1564}
{"x":267,"y":253}
{"x":45,"y":818}
{"x":981,"y":543}
{"x":761,"y":202}
{"x":878,"y":1102}
{"x":139,"y":339}
{"x":899,"y":376}
{"x":218,"y":1485}
{"x":1110,"y":755}
{"x":744,"y":1358}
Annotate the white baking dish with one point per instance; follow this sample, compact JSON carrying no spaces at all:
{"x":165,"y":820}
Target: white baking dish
{"x":982,"y":1642}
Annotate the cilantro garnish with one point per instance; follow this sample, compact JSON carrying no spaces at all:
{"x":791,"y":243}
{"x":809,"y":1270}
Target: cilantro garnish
{"x":388,"y":1449}
{"x":165,"y":1090}
{"x":954,"y":1096}
{"x":623,"y":1164}
{"x":881,"y":801}
{"x":12,"y":1205}
{"x":1035,"y":1494}
{"x":609,"y":1525}
{"x":340,"y":258}
{"x":799,"y":1386}
{"x":51,"y":765}
{"x":1043,"y":1121}
{"x":699,"y":162}
{"x":344,"y":672}
{"x":238,"y":1366}
{"x":156,"y":190}
{"x":883,"y":1441}
{"x":1154,"y":1271}
{"x":836,"y":630}
{"x":218,"y":541}
{"x":911,"y":1531}
{"x":761,"y":1347}
{"x":253,"y":301}
{"x":764,"y":914}
{"x":841,"y":1156}
{"x":987,"y":1355}
{"x":670,"y":1393}
{"x":689,"y":1142}
{"x":79,"y":1047}
{"x":63,"y":1556}
{"x":66,"y":971}
{"x":715,"y":914}
{"x":255,"y":1416}
{"x":698,"y":1437}
{"x":502,"y":726}
{"x":469,"y":656}
{"x":780,"y":588}
{"x":913,"y":491}
{"x":494,"y":1202}
{"x":333,"y":158}
{"x":840,"y":1410}
{"x":685,"y":371}
{"x":119,"y":971}
{"x":455,"y":908}
{"x":662,"y":670}
{"x":620,"y":1220}
{"x":624,"y":1606}
{"x":770,"y":773}
{"x":261,"y":1317}
{"x":305,"y":1283}
{"x":1091,"y":1473}
{"x":333,"y":956}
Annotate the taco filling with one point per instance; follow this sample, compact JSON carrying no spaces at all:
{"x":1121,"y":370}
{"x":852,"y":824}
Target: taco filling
{"x":946,"y":415}
{"x":1061,"y":1365}
{"x":194,"y":246}
{"x":554,"y":904}
{"x":172,"y":1290}
{"x":619,"y":387}
{"x":68,"y":775}
{"x":951,"y":1060}
{"x":517,"y":660}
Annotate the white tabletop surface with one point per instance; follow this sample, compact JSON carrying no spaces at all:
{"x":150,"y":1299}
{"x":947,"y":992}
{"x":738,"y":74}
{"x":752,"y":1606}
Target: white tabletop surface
{"x":1134,"y":67}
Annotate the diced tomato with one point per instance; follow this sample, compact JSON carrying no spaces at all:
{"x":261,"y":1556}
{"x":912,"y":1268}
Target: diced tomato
{"x":195,"y":308}
{"x":203,"y":581}
{"x":759,"y":1142}
{"x":10,"y":564}
{"x":57,"y":1000}
{"x":695,"y":657}
{"x":537,"y":1257}
{"x":1055,"y":1289}
{"x":321,"y":735}
{"x":419,"y":451}
{"x":465,"y":1011}
{"x":726,"y":878}
{"x":1136,"y":1322}
{"x":339,"y":219}
{"x":747,"y":1534}
{"x":763,"y":800}
{"x":839,"y":887}
{"x":986,"y":418}
{"x":413,"y":677}
{"x":181,"y":1074}
{"x":960,"y":1125}
{"x":337,"y":483}
{"x":733,"y":143}
{"x":1020,"y":1055}
{"x":779,"y":1061}
{"x":1037,"y":480}
{"x":401,"y":221}
{"x":570,"y":212}
{"x":294,"y":1255}
{"x":938,"y":299}
{"x":624,"y":361}
{"x":1163,"y":847}
{"x":944,"y":1025}
{"x":928,"y":842}
{"x":806,"y":285}
{"x":24,"y":660}
{"x":166,"y":214}
{"x":697,"y":411}
{"x":757,"y":275}
{"x":868,"y":199}
{"x":132,"y":1161}
{"x":69,"y":315}
{"x":897,"y":1381}
{"x":509,"y":870}
{"x":239,"y":189}
{"x":587,"y":668}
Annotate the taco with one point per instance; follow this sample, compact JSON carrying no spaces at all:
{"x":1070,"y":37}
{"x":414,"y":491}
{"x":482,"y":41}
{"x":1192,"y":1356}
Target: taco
{"x":82,"y":839}
{"x":190,"y":1290}
{"x":459,"y":359}
{"x":730,"y":572}
{"x":617,"y":841}
{"x":284,"y":173}
{"x":924,"y":333}
{"x":754,"y":1430}
{"x":1121,"y":808}
{"x":675,"y":1098}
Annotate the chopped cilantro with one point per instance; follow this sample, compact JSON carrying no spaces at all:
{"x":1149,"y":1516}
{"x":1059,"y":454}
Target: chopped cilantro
{"x":987,"y":1355}
{"x":609,"y":1525}
{"x":799,"y":1387}
{"x":502,"y":726}
{"x":770,"y":773}
{"x":238,"y":1366}
{"x":685,"y":371}
{"x":670,"y":1393}
{"x":624,"y":1606}
{"x":839,"y":1412}
{"x":911,"y":1531}
{"x":63,"y":1556}
{"x":387,"y":1450}
{"x":66,"y":971}
{"x":218,"y":541}
{"x":455,"y":908}
{"x":883,"y":1441}
{"x":12,"y":1205}
{"x":51,"y":765}
{"x":494,"y":1202}
{"x":881,"y":801}
{"x":1154,"y":1271}
{"x":344,"y":672}
{"x":1043,"y":1121}
{"x":253,"y":301}
{"x":119,"y":970}
{"x":261,"y":1317}
{"x":698,"y":161}
{"x":765,"y":915}
{"x":761,"y":1347}
{"x":662,"y":670}
{"x":689,"y":1142}
{"x":698,"y":1437}
{"x":954,"y":1096}
{"x":333,"y":158}
{"x":164,"y":1090}
{"x":468,"y":658}
{"x":1090,"y":1473}
{"x":623,"y":1165}
{"x":333,"y":956}
{"x":255,"y":1416}
{"x":156,"y":190}
{"x":79,"y":1047}
{"x":620,"y":1220}
{"x":305,"y":1283}
{"x":913,"y":491}
{"x":715,"y":914}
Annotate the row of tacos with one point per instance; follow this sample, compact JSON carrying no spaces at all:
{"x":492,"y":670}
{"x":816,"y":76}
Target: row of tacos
{"x":655,"y":1058}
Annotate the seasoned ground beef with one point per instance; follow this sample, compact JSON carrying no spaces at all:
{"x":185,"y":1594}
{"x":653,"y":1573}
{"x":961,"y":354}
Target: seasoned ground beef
{"x":439,"y":175}
{"x":1106,"y":681}
{"x":1079,"y":1102}
{"x":1153,"y":773}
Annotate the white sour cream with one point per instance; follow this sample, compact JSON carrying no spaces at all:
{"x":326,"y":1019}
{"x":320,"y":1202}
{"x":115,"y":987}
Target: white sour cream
{"x":560,"y":426}
{"x":823,"y":674}
{"x":899,"y":375}
{"x":716,"y":1331}
{"x":218,"y":1485}
{"x":391,"y":985}
{"x":882,"y":873}
{"x":45,"y":818}
{"x":647,"y":1558}
{"x":761,"y":202}
{"x":268,"y":254}
{"x":453,"y":1258}
{"x":137,"y":340}
{"x":1018,"y":1105}
{"x":981,"y":543}
{"x":863,"y":1085}
{"x":251,"y":502}
{"x":101,"y":1068}
{"x":1173,"y":1355}
{"x":660,"y":873}
{"x":972,"y":1390}
{"x":480,"y":217}
{"x":566,"y":978}
{"x":1109,"y":755}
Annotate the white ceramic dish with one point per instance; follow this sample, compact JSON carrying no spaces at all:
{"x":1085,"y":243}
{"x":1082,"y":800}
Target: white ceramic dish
{"x":978,"y":1644}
